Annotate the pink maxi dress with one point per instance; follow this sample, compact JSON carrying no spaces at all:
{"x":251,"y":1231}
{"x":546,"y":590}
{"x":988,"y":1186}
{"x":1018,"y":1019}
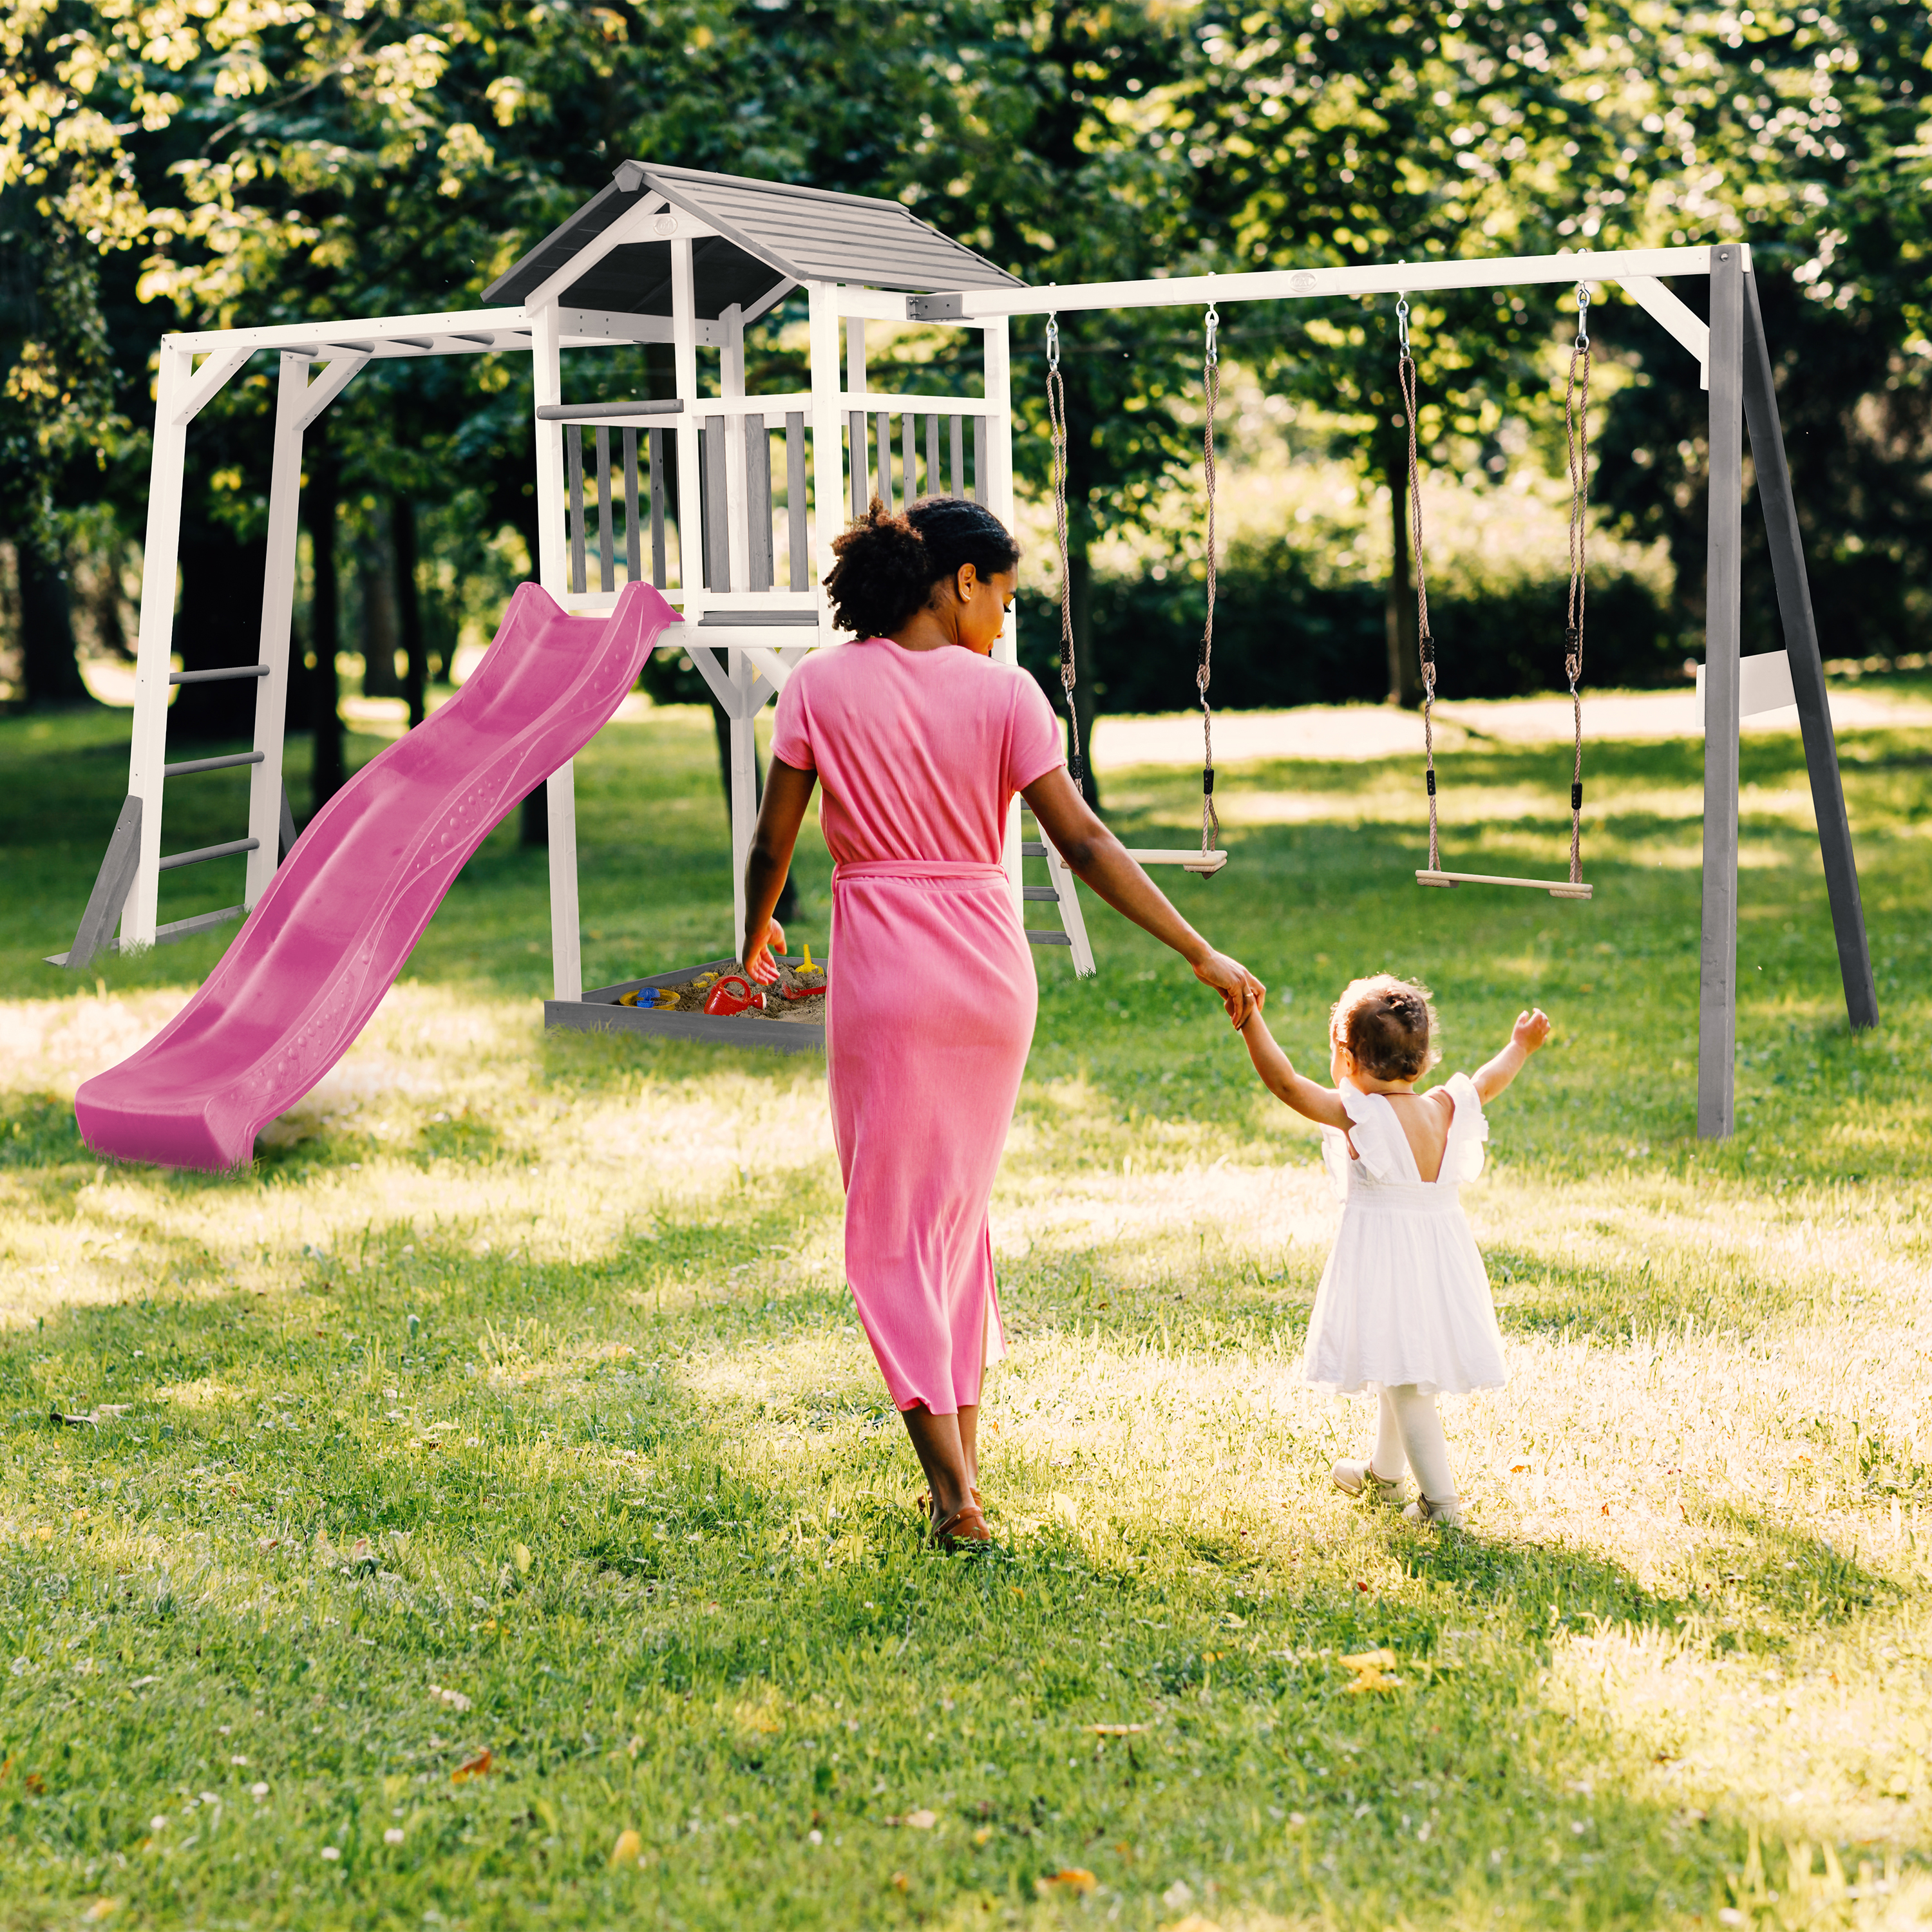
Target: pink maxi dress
{"x":932,"y":998}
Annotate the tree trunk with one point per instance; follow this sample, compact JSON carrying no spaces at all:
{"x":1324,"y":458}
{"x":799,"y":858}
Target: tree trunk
{"x":50,"y":672}
{"x":375,"y":572}
{"x":1405,"y":674}
{"x":324,"y":628}
{"x":409,"y":609}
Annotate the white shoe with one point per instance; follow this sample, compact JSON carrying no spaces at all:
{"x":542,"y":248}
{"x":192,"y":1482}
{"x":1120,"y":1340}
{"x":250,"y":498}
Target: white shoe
{"x":1448,"y":1511}
{"x":1353,"y":1478}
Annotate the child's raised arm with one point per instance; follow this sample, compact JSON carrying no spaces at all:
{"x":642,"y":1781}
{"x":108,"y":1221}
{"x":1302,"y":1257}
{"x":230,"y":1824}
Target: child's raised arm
{"x":1531,"y":1031}
{"x":1321,"y":1104}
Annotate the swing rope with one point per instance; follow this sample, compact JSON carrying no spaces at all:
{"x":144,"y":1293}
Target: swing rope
{"x":1056,"y":423}
{"x":1405,"y":369}
{"x":1211,"y":381}
{"x":1577,"y":431}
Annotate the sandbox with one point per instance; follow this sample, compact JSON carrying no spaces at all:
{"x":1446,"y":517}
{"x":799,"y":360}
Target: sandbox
{"x":784,"y":1026}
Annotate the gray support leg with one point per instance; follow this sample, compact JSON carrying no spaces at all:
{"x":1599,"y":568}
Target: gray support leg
{"x":285,"y":836}
{"x":1807,"y":667}
{"x":111,"y":887}
{"x":1717,"y":978}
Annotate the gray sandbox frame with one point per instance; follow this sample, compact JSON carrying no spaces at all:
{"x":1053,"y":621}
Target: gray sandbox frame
{"x":597,"y":1010}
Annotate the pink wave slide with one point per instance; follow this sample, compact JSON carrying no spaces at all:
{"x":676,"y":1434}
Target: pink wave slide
{"x":325,"y":941}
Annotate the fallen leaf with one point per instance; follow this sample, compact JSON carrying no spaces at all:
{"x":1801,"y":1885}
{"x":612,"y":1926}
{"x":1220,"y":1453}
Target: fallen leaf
{"x":478,"y":1766}
{"x":35,"y":1782}
{"x":921,"y":1820}
{"x":101,"y":1908}
{"x":1117,"y":1730}
{"x":1369,"y":1660}
{"x":454,"y":1700}
{"x":1370,"y":1667}
{"x":899,"y":1881}
{"x":520,"y":1556}
{"x":625,"y":1851}
{"x":984,"y":1835}
{"x":1072,"y":1878}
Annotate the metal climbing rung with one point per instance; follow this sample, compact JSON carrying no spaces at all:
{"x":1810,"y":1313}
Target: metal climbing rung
{"x":216,"y":677}
{"x":189,"y":765}
{"x":1035,"y":938}
{"x":1557,"y":888}
{"x":1043,"y":892}
{"x":195,"y":857}
{"x":1032,"y":848}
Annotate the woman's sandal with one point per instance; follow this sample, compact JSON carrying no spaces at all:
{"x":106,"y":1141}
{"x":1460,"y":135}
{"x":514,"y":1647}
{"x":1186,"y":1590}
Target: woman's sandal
{"x":964,"y":1526}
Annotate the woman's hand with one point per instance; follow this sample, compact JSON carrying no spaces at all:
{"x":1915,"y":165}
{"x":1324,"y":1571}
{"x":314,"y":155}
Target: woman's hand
{"x":1241,"y":993}
{"x":758,"y":954}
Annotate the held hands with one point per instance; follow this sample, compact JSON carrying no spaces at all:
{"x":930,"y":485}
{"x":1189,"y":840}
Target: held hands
{"x":758,"y":953}
{"x":1531,"y":1031}
{"x":1241,"y":993}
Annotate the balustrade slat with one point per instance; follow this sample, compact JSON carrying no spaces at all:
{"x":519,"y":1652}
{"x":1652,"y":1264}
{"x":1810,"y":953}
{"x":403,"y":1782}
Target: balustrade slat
{"x":573,"y":464}
{"x":958,"y":456}
{"x":801,"y":564}
{"x":886,"y":460}
{"x":717,"y":523}
{"x":856,"y":463}
{"x":934,"y":483}
{"x":660,"y":569}
{"x":606,"y":566}
{"x":633,"y":562}
{"x":909,"y":453}
{"x":758,"y":503}
{"x":979,"y":459}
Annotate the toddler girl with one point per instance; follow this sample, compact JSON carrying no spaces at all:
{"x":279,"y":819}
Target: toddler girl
{"x":1404,"y":1302}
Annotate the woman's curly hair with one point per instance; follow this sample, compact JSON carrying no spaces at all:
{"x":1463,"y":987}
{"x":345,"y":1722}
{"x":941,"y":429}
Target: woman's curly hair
{"x":1388,"y":1024}
{"x":889,"y":563}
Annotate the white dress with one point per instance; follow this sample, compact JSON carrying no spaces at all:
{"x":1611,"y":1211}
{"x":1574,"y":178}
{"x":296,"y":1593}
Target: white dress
{"x":1405,"y":1297}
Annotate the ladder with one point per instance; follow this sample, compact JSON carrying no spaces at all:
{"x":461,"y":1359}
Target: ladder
{"x":1060,"y":892}
{"x":128,"y":886}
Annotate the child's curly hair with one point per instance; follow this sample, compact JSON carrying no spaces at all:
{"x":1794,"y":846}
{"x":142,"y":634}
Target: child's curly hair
{"x":887,"y":564}
{"x":1388,"y":1024}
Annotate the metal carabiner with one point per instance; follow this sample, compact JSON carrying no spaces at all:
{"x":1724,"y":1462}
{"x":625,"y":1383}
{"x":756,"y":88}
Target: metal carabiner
{"x":1402,"y":322}
{"x":1582,"y":315}
{"x":1053,"y":339}
{"x":1213,"y":323}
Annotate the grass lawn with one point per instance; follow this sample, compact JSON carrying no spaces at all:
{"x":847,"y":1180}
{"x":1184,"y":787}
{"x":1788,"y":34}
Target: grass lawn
{"x":493,"y":1517}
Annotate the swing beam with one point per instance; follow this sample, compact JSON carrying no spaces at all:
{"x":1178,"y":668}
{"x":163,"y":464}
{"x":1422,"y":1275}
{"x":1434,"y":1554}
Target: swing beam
{"x":1735,"y":366}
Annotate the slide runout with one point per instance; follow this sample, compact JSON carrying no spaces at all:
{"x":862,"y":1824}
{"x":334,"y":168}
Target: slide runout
{"x":342,"y":914}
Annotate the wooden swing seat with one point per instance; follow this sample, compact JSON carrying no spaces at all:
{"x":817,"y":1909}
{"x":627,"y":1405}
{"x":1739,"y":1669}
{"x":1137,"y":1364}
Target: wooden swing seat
{"x":1557,"y":888}
{"x":1205,"y":864}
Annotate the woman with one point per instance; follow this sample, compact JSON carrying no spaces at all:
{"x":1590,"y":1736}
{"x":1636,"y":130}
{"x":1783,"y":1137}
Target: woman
{"x":921,"y":741}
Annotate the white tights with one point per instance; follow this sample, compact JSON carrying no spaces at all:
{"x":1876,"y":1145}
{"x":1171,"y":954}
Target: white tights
{"x":1408,"y":1435}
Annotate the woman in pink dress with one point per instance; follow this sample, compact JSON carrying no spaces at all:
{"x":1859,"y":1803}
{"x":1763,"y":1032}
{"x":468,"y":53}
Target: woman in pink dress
{"x":921,"y":741}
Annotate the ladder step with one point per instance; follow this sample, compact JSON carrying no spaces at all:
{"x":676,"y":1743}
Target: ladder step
{"x":1043,"y":892}
{"x":1038,"y":938}
{"x":187,"y":765}
{"x":210,"y":852}
{"x":215,"y":676}
{"x":1032,"y":848}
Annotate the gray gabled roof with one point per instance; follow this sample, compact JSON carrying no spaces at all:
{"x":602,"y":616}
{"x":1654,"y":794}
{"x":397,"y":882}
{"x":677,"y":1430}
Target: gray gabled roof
{"x":769,"y":233}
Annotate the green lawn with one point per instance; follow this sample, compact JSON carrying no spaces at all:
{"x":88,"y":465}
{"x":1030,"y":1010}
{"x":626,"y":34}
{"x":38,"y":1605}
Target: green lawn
{"x":502,"y":1473}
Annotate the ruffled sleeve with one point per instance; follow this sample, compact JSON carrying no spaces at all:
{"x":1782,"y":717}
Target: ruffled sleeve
{"x":1380,"y":1143}
{"x":1468,"y":1129}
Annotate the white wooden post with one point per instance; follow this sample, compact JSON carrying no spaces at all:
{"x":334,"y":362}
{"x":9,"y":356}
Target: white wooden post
{"x":278,"y":600}
{"x":553,"y":567}
{"x":828,"y":473}
{"x":148,"y":750}
{"x":690,"y":497}
{"x":744,"y":786}
{"x":855,"y":386}
{"x":997,"y":492}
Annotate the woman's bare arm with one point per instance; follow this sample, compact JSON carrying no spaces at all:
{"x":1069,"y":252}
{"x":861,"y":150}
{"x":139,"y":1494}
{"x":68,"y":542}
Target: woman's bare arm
{"x":1100,"y":860}
{"x":1320,"y":1104}
{"x":788,"y":793}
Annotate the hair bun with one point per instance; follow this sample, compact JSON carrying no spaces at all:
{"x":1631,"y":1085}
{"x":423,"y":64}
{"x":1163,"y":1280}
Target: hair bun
{"x":888,"y":561}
